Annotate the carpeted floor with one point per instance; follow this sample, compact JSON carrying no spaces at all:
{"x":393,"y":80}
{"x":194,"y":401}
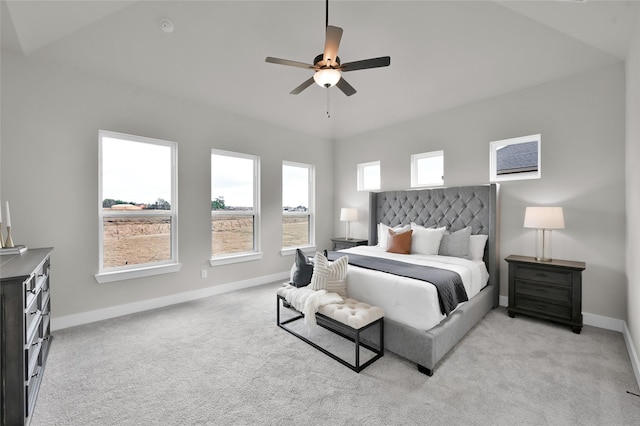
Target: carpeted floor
{"x":222,"y":360}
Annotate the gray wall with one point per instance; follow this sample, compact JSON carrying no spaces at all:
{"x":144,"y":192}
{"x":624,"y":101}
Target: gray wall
{"x":50,"y":122}
{"x":582,"y":123}
{"x":633,"y":189}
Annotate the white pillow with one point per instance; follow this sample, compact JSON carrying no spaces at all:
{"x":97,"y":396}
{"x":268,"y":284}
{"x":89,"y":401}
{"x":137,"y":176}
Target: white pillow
{"x":383,"y":233}
{"x":476,"y":246}
{"x":330,"y":276}
{"x":426,"y":240}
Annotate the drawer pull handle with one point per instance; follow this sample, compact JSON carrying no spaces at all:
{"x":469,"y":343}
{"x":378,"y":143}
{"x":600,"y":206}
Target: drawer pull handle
{"x":35,"y":375}
{"x":38,"y":343}
{"x":540,"y":274}
{"x":33,"y":291}
{"x":34,"y":312}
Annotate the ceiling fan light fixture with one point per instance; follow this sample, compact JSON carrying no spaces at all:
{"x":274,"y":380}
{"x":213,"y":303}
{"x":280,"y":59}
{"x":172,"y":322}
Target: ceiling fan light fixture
{"x":327,"y":77}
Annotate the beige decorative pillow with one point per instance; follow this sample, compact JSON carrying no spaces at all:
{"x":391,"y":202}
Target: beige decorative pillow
{"x":399,"y":243}
{"x":330,"y":276}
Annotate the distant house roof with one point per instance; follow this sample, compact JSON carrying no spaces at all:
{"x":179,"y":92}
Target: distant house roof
{"x":518,"y":157}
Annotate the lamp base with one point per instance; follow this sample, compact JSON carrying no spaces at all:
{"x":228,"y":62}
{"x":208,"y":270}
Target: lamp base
{"x":544,"y":259}
{"x":543,"y":245}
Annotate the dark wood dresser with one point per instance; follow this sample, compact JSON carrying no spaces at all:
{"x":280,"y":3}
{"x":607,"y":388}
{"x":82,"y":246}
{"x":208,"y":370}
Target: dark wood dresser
{"x":25,"y":325}
{"x":550,"y":290}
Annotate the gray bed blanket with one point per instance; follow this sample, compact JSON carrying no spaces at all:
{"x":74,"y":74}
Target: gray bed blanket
{"x":449,"y":284}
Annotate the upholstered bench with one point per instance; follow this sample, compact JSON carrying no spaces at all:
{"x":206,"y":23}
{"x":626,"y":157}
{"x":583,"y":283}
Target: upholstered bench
{"x":350,"y":319}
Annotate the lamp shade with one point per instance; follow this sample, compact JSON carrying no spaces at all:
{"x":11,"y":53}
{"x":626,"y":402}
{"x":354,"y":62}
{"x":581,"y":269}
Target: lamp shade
{"x":348,"y":214}
{"x":544,"y":218}
{"x":327,"y":77}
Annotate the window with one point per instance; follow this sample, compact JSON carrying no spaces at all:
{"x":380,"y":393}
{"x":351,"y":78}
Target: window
{"x":427,"y":169}
{"x":369,"y":176}
{"x":515,"y":159}
{"x":235,"y":207}
{"x":137,"y":210}
{"x":297,"y":205}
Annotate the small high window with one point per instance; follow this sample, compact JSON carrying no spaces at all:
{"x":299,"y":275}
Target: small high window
{"x":515,"y":159}
{"x":427,"y":169}
{"x":369,"y":176}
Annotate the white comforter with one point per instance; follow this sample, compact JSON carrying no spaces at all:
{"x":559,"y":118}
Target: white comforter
{"x":407,"y":300}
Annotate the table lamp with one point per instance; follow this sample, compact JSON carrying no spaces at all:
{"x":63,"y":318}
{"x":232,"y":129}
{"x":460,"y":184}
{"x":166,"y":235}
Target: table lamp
{"x":543,"y":220}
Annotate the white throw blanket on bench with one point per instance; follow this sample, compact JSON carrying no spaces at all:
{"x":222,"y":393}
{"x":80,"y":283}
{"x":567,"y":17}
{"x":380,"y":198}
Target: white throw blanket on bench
{"x":307,"y":301}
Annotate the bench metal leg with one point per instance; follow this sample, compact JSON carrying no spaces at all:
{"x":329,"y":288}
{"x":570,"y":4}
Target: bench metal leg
{"x":342,"y":330}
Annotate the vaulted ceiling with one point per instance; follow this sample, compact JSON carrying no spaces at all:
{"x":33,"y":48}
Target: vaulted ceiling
{"x":443,"y":53}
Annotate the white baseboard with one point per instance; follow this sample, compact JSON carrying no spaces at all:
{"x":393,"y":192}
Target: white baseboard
{"x":607,"y":324}
{"x":159,"y":302}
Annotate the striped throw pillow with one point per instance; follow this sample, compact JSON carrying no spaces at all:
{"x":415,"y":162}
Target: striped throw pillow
{"x":330,"y":276}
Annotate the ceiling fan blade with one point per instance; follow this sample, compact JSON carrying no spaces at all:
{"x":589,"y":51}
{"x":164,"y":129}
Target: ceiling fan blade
{"x":287,"y":62}
{"x":303,"y":86}
{"x":331,"y":45}
{"x":346,"y":88}
{"x":383,"y":61}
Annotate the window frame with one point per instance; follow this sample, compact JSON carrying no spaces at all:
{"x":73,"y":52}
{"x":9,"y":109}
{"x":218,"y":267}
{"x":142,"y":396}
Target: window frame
{"x":415,"y":158}
{"x":311,"y":246}
{"x":361,"y":173}
{"x":525,"y":175}
{"x":256,"y":253}
{"x":126,"y":272}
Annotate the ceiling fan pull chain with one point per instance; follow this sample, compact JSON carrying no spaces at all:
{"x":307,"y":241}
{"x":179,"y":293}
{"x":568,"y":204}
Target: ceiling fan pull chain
{"x":328,"y":102}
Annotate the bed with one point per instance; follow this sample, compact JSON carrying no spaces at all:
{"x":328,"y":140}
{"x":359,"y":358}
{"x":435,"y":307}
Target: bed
{"x":426,"y":337}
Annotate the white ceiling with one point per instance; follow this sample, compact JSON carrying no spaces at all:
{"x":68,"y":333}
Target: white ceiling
{"x":443,"y":53}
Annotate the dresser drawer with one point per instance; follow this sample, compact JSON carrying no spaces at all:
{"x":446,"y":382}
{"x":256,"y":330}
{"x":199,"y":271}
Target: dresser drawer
{"x":32,"y":355}
{"x":543,"y":308}
{"x":32,"y":315}
{"x":544,"y":275}
{"x":550,"y":292}
{"x":31,"y":391}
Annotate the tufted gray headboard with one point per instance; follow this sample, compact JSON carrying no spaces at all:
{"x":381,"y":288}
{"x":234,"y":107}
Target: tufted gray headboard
{"x":454,"y":207}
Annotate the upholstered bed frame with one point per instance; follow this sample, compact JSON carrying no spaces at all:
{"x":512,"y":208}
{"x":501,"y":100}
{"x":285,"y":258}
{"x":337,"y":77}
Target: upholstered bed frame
{"x":456,"y":208}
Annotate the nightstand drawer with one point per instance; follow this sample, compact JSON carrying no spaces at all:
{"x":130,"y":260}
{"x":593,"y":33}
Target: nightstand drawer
{"x":341,"y":245}
{"x":542,"y":308}
{"x":544,"y":275}
{"x":558,"y":293}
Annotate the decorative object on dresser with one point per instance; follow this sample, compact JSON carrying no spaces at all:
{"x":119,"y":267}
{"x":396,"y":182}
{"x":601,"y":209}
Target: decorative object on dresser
{"x":343,"y":243}
{"x":549,"y":290}
{"x":8,"y":242}
{"x":348,"y":215}
{"x":25,"y":331}
{"x":543,"y":219}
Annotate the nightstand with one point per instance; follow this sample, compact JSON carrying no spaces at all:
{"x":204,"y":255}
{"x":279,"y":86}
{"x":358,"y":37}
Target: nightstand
{"x":548,"y":290}
{"x":343,"y":243}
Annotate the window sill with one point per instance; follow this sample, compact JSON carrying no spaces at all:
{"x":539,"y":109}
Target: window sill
{"x":235,"y":258}
{"x":288,"y":251}
{"x":107,"y":277}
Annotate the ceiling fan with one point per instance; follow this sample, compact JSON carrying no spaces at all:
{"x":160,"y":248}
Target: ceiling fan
{"x":327,"y":66}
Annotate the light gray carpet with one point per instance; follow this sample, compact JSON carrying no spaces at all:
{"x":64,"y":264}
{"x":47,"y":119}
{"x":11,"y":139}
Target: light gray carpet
{"x":222,"y":360}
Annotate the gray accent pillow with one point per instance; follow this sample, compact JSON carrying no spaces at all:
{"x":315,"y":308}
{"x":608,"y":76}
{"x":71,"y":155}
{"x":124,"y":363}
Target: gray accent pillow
{"x":304,"y":270}
{"x":456,"y":244}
